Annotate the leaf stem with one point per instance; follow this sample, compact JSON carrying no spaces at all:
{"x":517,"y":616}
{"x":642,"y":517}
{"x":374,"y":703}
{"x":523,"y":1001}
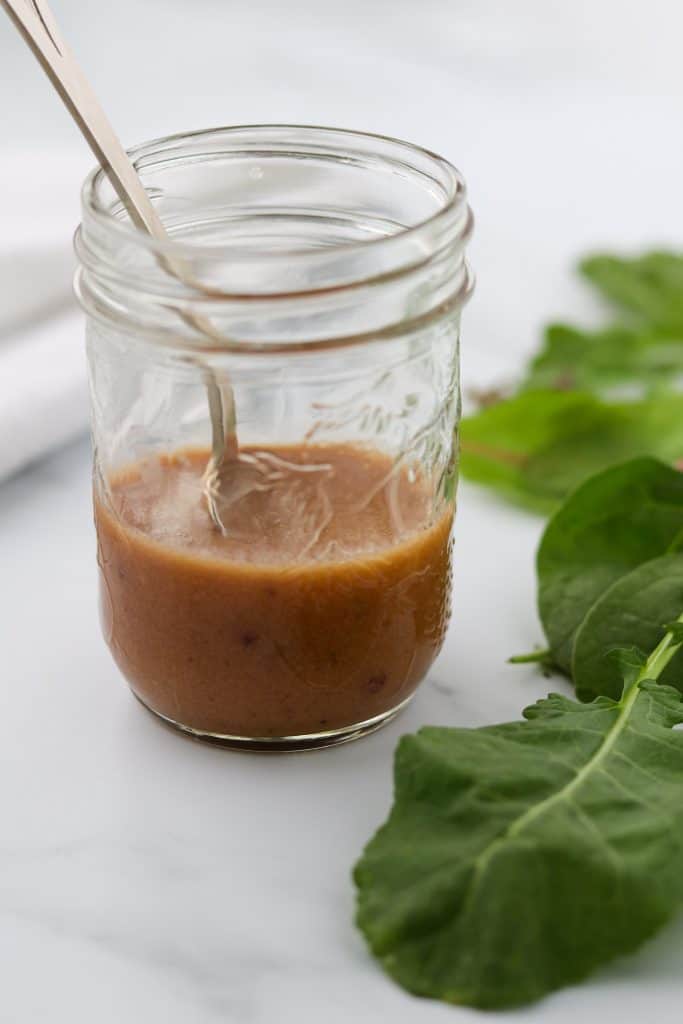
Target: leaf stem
{"x":660,"y":657}
{"x":534,"y":656}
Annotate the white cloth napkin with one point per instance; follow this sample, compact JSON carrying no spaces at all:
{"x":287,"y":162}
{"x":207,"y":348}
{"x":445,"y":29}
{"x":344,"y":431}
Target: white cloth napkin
{"x":43,"y":381}
{"x":43,"y":391}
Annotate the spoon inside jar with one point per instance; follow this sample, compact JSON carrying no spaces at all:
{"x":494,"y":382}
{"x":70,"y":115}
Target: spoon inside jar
{"x":37,"y":25}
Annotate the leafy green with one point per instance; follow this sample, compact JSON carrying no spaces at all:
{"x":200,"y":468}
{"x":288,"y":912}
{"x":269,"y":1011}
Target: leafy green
{"x":650,"y":287}
{"x":537,"y":447}
{"x":628,"y":612}
{"x":590,"y":398}
{"x":631,"y":660}
{"x":498,"y":443}
{"x":616,"y":359}
{"x":517,"y":858}
{"x":626,"y":515}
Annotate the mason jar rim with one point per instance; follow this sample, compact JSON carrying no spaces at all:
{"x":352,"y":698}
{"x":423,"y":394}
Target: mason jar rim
{"x":227,"y":281}
{"x":452,"y":183}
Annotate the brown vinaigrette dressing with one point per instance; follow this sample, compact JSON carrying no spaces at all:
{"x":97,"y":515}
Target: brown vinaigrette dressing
{"x":322,"y":606}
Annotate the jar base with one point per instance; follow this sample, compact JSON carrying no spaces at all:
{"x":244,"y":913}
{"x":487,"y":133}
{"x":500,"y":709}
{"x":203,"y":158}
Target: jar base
{"x":283,"y":744}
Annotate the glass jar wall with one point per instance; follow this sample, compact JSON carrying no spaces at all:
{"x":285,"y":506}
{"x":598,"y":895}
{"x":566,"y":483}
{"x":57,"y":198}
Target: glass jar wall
{"x":275,"y":405}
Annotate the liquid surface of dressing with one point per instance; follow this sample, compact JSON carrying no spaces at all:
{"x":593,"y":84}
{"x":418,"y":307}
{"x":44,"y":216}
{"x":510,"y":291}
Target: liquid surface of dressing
{"x":321,"y":607}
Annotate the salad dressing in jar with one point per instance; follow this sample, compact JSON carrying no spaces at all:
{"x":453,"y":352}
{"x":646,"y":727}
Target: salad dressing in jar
{"x":332,"y":265}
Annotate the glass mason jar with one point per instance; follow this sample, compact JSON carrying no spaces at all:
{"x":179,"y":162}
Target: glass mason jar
{"x":275,"y":403}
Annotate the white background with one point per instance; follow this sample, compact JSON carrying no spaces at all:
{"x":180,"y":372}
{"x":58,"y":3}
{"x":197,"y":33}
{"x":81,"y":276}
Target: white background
{"x":144,"y":878}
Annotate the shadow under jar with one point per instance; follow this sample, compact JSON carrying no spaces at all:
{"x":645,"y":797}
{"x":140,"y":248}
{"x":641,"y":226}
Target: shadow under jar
{"x":330,"y":267}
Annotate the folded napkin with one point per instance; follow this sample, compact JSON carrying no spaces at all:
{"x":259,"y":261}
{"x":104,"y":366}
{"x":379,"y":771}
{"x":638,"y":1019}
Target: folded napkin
{"x":43,"y":391}
{"x":43,"y":381}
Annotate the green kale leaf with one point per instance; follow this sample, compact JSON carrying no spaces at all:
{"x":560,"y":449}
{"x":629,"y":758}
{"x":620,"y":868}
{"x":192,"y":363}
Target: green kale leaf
{"x":613,"y":362}
{"x":616,"y":521}
{"x":628,"y":612}
{"x":518,"y":858}
{"x":537,"y":447}
{"x":649,"y":287}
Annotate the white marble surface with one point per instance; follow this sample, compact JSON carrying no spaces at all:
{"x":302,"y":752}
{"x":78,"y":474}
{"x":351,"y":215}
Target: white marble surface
{"x":145,"y":878}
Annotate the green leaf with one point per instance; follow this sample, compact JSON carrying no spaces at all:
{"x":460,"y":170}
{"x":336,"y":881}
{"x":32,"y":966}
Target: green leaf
{"x":539,"y":446}
{"x":535,"y":447}
{"x":497,"y":443}
{"x":630,"y":661}
{"x":627,"y":515}
{"x":616,"y":361}
{"x":517,"y":858}
{"x":650,"y":286}
{"x":628,"y":612}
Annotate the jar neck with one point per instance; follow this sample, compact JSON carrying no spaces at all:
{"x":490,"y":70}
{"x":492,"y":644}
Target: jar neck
{"x":277,"y":266}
